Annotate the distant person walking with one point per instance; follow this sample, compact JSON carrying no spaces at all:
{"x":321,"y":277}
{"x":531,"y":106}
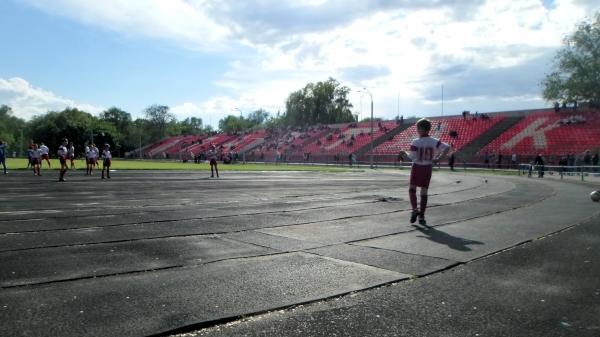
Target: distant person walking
{"x":3,"y":155}
{"x":63,"y":153}
{"x":212,"y":157}
{"x":36,"y":158}
{"x":45,"y":154}
{"x":107,"y":160}
{"x":539,"y":162}
{"x":486,"y":159}
{"x":71,"y":154}
{"x":29,"y":154}
{"x":451,"y":158}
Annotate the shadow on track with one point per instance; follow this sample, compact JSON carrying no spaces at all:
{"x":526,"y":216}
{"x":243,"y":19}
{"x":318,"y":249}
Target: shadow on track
{"x":444,"y":238}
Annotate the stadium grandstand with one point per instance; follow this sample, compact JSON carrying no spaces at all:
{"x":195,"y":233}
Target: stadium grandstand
{"x":552,"y":133}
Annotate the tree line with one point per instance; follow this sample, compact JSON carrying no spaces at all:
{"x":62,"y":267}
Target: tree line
{"x":321,"y":102}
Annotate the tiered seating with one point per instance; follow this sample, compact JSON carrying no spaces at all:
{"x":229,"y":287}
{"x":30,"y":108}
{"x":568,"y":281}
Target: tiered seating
{"x":238,"y":143}
{"x":349,"y":138}
{"x":182,"y":145}
{"x":202,"y":143}
{"x":549,"y":133}
{"x":467,"y":130}
{"x":163,"y":146}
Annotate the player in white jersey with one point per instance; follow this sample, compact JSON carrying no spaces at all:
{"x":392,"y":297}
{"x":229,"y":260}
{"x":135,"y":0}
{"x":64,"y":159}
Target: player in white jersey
{"x":36,"y":158}
{"x":93,"y":158}
{"x":424,"y":151}
{"x":87,"y":160}
{"x":107,"y":158}
{"x":63,"y":153}
{"x":45,"y":154}
{"x":71,"y":154}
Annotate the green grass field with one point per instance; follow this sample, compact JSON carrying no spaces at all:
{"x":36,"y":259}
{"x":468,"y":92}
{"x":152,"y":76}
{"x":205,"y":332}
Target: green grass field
{"x":119,"y":164}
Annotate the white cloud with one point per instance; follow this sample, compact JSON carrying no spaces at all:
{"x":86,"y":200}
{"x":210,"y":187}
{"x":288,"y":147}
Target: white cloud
{"x":415,"y":45}
{"x":27,"y":101}
{"x":185,"y":23}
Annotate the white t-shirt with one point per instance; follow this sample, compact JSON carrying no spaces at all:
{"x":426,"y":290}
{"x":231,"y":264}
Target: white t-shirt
{"x":87,"y":152}
{"x":106,"y":154}
{"x":94,"y":152}
{"x":36,"y":154}
{"x":424,"y":149}
{"x":44,"y":149}
{"x":212,"y":154}
{"x":62,"y":151}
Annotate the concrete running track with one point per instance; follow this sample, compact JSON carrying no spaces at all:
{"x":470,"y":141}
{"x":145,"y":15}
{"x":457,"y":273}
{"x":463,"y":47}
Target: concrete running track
{"x":154,"y":253}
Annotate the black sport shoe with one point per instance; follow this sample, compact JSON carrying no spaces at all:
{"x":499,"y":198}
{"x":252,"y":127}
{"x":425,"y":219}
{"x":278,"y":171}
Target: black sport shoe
{"x":413,"y":215}
{"x":422,"y":220}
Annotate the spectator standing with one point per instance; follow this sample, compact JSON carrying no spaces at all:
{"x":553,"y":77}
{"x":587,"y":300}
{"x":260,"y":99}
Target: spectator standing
{"x":3,"y":155}
{"x":513,"y":160}
{"x":486,"y":159}
{"x":539,"y":162}
{"x":587,"y":160}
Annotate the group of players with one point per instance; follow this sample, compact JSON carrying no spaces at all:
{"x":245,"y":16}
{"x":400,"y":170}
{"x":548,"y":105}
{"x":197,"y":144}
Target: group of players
{"x":66,"y":153}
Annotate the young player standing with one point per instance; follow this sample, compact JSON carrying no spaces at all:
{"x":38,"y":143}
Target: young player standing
{"x":107,"y":161}
{"x":92,"y":158}
{"x":63,"y":153}
{"x":71,"y":150}
{"x":45,"y":154}
{"x":212,"y":157}
{"x":3,"y":155}
{"x":424,"y":151}
{"x":36,"y":157}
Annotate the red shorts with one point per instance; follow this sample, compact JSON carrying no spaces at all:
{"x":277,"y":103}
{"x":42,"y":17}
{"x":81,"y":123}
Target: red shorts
{"x":213,"y":162}
{"x":45,"y":156}
{"x":63,"y":160}
{"x":420,"y":175}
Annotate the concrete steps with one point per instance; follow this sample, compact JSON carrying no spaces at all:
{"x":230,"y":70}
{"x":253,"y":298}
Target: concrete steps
{"x":469,"y":151}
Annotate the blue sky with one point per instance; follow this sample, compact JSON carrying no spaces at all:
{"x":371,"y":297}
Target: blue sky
{"x":204,"y":58}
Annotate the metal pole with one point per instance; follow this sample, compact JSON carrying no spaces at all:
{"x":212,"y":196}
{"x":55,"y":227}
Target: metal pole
{"x":140,"y":145}
{"x":442,"y":100}
{"x":371,"y":129}
{"x":398,"y":108}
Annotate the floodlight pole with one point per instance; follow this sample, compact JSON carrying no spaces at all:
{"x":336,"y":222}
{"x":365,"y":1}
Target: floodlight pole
{"x":371,"y":95}
{"x":442,"y":100}
{"x":140,"y":144}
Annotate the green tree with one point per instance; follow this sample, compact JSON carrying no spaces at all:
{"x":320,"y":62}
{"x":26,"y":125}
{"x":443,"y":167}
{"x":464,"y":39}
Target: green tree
{"x":159,"y":119}
{"x":257,"y":118}
{"x":576,"y":77}
{"x":233,"y":124}
{"x":11,"y":130}
{"x":191,"y":126}
{"x":321,"y":102}
{"x":117,"y":117}
{"x":78,"y":126}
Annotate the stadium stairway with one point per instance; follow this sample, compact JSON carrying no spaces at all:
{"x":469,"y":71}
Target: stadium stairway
{"x":469,"y":151}
{"x":365,"y":149}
